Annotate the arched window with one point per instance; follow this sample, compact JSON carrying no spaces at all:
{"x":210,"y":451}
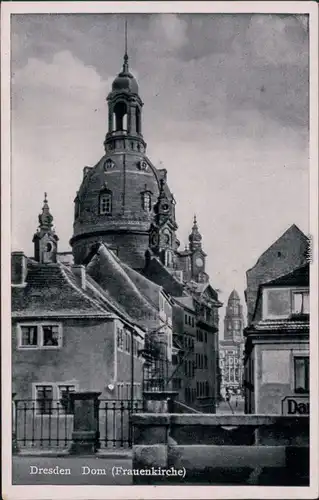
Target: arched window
{"x":146,"y":201}
{"x":167,"y":237}
{"x":120,"y":116}
{"x":168,"y":258}
{"x":76,"y":208}
{"x":138,"y":120}
{"x":105,"y":202}
{"x":109,"y":164}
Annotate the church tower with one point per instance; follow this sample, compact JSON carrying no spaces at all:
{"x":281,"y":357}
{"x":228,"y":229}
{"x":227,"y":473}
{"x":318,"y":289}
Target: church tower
{"x":198,"y":256}
{"x":45,"y":240}
{"x":115,"y":202}
{"x":163,"y":241}
{"x":234,"y":319}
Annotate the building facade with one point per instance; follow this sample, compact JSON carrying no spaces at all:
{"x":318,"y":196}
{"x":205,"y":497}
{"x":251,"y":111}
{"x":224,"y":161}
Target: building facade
{"x":277,"y":336}
{"x":68,"y":311}
{"x":231,"y":348}
{"x":125,"y":202}
{"x":125,"y":255}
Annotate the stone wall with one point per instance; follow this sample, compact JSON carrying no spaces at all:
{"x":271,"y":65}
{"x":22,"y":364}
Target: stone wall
{"x":222,"y":449}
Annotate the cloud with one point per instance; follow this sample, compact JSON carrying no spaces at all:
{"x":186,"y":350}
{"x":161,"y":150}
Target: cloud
{"x":225,"y":110}
{"x":278,"y":40}
{"x":64,"y":72}
{"x":168,"y":31}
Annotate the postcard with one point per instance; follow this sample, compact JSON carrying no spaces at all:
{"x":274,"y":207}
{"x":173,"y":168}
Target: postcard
{"x":159,"y":250}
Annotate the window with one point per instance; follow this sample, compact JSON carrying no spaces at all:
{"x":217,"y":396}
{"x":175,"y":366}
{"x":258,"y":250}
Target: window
{"x":236,"y":324}
{"x":278,"y":303}
{"x":205,"y":361}
{"x":120,"y":116}
{"x":138,"y":120}
{"x":64,"y":392}
{"x":206,"y":388}
{"x":135,"y":347}
{"x":120,"y":339}
{"x":283,"y":302}
{"x":120,"y":390}
{"x":53,"y":399}
{"x":29,"y":336}
{"x":50,"y":335}
{"x":76,"y":208}
{"x":301,"y":374}
{"x":127,"y":341}
{"x":146,"y":201}
{"x":105,"y":203}
{"x":142,"y":165}
{"x":44,"y":397}
{"x":205,"y":337}
{"x":300,"y":304}
{"x":109,"y":164}
{"x":42,"y":336}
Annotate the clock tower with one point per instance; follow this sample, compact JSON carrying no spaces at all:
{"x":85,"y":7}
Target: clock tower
{"x":198,"y":256}
{"x":163,"y":241}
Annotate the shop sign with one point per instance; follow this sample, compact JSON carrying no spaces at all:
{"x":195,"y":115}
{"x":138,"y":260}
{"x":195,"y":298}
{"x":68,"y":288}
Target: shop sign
{"x":295,"y":405}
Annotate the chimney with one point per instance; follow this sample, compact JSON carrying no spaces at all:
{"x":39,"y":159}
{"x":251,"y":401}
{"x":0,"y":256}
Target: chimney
{"x":80,"y":273}
{"x":18,"y":268}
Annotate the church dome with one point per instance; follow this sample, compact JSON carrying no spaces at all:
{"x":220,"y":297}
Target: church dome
{"x":115,"y":204}
{"x":125,"y":80}
{"x":233,"y":296}
{"x":195,"y":236}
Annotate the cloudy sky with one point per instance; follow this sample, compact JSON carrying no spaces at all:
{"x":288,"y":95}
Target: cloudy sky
{"x":225,"y":112}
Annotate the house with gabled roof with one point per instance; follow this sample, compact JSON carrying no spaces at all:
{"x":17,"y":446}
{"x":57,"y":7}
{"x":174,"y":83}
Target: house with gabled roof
{"x":276,"y":375}
{"x":95,"y":315}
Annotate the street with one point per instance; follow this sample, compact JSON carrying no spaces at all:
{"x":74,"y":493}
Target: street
{"x":23,"y":466}
{"x":226,"y":409}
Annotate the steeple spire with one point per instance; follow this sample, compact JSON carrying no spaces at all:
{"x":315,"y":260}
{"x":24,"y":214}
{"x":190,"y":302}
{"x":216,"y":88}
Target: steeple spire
{"x":195,"y":237}
{"x":45,"y":218}
{"x":45,"y":240}
{"x":125,"y":65}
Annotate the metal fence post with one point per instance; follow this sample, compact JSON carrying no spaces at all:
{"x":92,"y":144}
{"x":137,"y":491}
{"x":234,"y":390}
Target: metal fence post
{"x":15,"y":448}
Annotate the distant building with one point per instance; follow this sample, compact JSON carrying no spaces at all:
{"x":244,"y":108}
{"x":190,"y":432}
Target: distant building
{"x":277,"y":335}
{"x":232,"y":346}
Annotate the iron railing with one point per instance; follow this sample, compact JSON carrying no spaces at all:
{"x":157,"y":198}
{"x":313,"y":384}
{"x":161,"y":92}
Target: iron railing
{"x":44,"y":426}
{"x":115,"y":427}
{"x":51,"y":425}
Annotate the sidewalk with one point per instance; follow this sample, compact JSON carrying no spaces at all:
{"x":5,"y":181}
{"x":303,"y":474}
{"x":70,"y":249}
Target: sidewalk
{"x":103,"y":453}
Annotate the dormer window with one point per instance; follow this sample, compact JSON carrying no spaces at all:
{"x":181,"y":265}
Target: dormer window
{"x":105,"y":203}
{"x":282,"y":302}
{"x":300,"y":303}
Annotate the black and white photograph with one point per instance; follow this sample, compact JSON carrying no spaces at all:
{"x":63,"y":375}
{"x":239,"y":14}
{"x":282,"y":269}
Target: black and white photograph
{"x":159,"y":238}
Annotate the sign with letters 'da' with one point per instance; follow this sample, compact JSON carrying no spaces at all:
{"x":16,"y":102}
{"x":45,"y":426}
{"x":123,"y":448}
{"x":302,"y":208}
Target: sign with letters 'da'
{"x":295,"y":405}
